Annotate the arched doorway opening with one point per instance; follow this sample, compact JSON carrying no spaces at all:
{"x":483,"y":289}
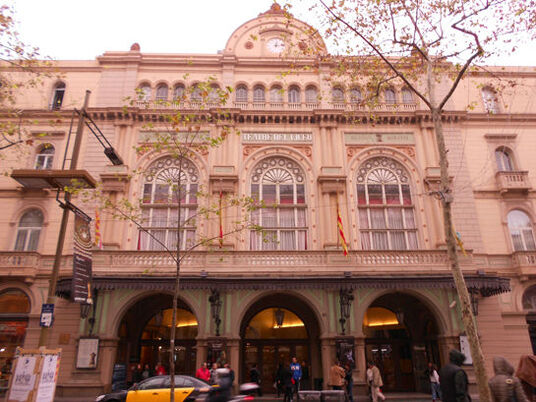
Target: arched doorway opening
{"x":529,"y":305}
{"x":144,"y":334}
{"x":401,"y":338}
{"x":14,"y":310}
{"x":275,"y":329}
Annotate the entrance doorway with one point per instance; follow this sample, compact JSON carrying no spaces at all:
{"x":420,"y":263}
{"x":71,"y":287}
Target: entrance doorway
{"x":276,"y":329}
{"x":401,"y":338}
{"x":145,"y":333}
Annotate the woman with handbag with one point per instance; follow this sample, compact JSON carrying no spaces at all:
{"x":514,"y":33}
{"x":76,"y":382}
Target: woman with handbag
{"x":504,"y":386}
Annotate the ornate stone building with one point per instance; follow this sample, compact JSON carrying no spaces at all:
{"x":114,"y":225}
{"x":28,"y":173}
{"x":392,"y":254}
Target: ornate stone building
{"x":301,"y":152}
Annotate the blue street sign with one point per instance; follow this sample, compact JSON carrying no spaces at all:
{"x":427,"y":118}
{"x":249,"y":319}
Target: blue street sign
{"x":47,"y":315}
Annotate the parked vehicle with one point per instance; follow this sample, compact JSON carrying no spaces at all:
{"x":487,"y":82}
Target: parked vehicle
{"x":156,"y":389}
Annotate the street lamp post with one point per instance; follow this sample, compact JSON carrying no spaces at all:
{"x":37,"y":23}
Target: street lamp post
{"x":51,"y":297}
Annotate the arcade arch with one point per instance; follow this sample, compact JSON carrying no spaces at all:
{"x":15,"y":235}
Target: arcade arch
{"x":401,"y":337}
{"x":144,"y":334}
{"x":274,"y":329}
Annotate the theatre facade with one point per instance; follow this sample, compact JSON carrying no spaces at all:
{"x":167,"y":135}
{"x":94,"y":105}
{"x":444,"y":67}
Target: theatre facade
{"x":308,"y":149}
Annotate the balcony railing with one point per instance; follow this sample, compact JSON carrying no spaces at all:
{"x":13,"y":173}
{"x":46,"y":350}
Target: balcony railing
{"x":282,"y":106}
{"x":273,"y":263}
{"x":513,"y":181}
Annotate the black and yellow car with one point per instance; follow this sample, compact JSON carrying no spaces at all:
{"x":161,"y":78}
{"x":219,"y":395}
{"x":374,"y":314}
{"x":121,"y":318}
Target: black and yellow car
{"x":156,"y":389}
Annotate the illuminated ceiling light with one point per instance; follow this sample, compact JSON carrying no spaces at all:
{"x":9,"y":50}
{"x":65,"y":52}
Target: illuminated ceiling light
{"x":291,"y":325}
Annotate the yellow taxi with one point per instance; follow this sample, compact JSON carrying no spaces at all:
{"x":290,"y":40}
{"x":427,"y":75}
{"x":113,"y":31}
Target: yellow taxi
{"x":157,"y":389}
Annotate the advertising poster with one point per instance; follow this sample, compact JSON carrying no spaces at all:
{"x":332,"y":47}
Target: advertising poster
{"x":88,"y":353}
{"x":82,"y":261}
{"x":23,"y":380}
{"x":48,"y":378}
{"x":346,"y":350}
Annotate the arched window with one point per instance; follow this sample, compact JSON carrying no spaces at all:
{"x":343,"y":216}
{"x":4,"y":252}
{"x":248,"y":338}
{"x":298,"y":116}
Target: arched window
{"x":520,"y":228}
{"x":276,"y":94}
{"x":529,"y":298}
{"x":214,"y":93}
{"x":258,"y":94}
{"x":311,"y":94}
{"x":385,"y":207}
{"x":294,"y":94}
{"x":14,"y":310}
{"x":241,"y":94}
{"x":279,"y":183}
{"x":337,"y":94}
{"x":355,"y":95}
{"x":168,"y":183}
{"x":57,"y":95}
{"x":28,"y":231}
{"x":178,"y":92}
{"x":504,"y":160}
{"x":196,"y":95}
{"x":162,"y":92}
{"x":45,"y":157}
{"x":144,"y":93}
{"x":390,"y":96}
{"x":407,"y":96}
{"x":491,"y":102}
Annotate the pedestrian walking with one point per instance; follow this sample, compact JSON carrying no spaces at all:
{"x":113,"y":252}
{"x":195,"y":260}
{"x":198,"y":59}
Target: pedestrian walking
{"x":279,"y":380}
{"x":159,"y":369}
{"x":504,"y":386}
{"x":376,"y":383}
{"x":433,"y":375}
{"x":369,"y":377}
{"x":288,"y":386}
{"x":213,"y":374}
{"x":295,"y":368}
{"x":454,"y":383}
{"x":349,"y":381}
{"x":255,"y":376}
{"x":203,"y":373}
{"x":526,"y":372}
{"x":336,"y":376}
{"x":147,"y":372}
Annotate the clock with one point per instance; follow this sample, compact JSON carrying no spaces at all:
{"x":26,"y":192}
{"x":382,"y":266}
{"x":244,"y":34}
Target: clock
{"x":275,"y":45}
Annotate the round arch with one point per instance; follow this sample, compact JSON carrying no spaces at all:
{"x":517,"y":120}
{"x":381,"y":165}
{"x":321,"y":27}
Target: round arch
{"x":268,"y":352}
{"x":143,"y":328}
{"x":401,"y":330}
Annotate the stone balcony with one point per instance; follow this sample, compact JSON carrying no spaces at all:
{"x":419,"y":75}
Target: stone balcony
{"x":513,"y":182}
{"x":277,"y":106}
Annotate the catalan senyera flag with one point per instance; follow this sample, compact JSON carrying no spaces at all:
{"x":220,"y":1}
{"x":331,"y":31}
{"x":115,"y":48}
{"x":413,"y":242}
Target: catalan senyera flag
{"x":459,"y":240}
{"x":341,"y":232}
{"x":221,"y":219}
{"x":98,"y":237}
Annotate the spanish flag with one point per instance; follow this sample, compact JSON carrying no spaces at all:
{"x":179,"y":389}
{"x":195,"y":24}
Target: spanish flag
{"x":98,"y":237}
{"x":341,"y":232}
{"x":459,"y":240}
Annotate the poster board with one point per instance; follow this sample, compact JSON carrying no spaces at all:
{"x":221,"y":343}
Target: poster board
{"x":88,"y":353}
{"x":35,"y":375}
{"x":345,"y":347}
{"x":466,"y":350}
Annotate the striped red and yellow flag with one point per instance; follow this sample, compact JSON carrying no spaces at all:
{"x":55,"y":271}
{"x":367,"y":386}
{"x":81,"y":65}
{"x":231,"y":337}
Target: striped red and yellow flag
{"x":98,"y":237}
{"x":341,"y":232}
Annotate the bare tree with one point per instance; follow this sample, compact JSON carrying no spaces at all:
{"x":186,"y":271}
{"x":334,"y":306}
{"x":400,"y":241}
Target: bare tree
{"x":428,"y":46}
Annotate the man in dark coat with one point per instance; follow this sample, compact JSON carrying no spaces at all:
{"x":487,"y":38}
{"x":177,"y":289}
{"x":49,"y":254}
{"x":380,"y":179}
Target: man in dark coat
{"x":454,"y":383}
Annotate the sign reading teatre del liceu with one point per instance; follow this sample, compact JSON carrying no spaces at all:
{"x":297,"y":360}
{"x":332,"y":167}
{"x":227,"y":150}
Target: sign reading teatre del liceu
{"x":378,"y":138}
{"x":288,"y":138}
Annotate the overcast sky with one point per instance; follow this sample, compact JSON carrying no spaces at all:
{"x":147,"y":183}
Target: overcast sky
{"x":83,"y":30}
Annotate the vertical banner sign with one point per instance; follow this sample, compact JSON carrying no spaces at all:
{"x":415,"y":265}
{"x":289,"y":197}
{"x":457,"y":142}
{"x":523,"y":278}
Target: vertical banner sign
{"x":49,"y":377}
{"x":23,"y":380}
{"x":81,"y":284}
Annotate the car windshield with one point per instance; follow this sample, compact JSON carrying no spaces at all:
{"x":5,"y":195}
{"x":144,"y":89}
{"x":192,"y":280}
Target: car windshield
{"x":186,"y":381}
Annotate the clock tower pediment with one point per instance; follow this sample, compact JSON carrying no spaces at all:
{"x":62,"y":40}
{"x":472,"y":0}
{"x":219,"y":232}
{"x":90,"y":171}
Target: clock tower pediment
{"x":274,"y":34}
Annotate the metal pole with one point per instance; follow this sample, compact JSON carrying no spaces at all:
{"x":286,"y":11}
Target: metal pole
{"x":51,"y":297}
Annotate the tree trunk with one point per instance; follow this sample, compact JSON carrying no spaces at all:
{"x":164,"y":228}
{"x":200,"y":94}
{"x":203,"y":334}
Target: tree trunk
{"x":461,"y":288}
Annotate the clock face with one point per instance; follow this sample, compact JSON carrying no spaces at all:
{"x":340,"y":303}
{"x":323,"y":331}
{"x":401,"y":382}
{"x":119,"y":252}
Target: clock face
{"x":275,"y":45}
